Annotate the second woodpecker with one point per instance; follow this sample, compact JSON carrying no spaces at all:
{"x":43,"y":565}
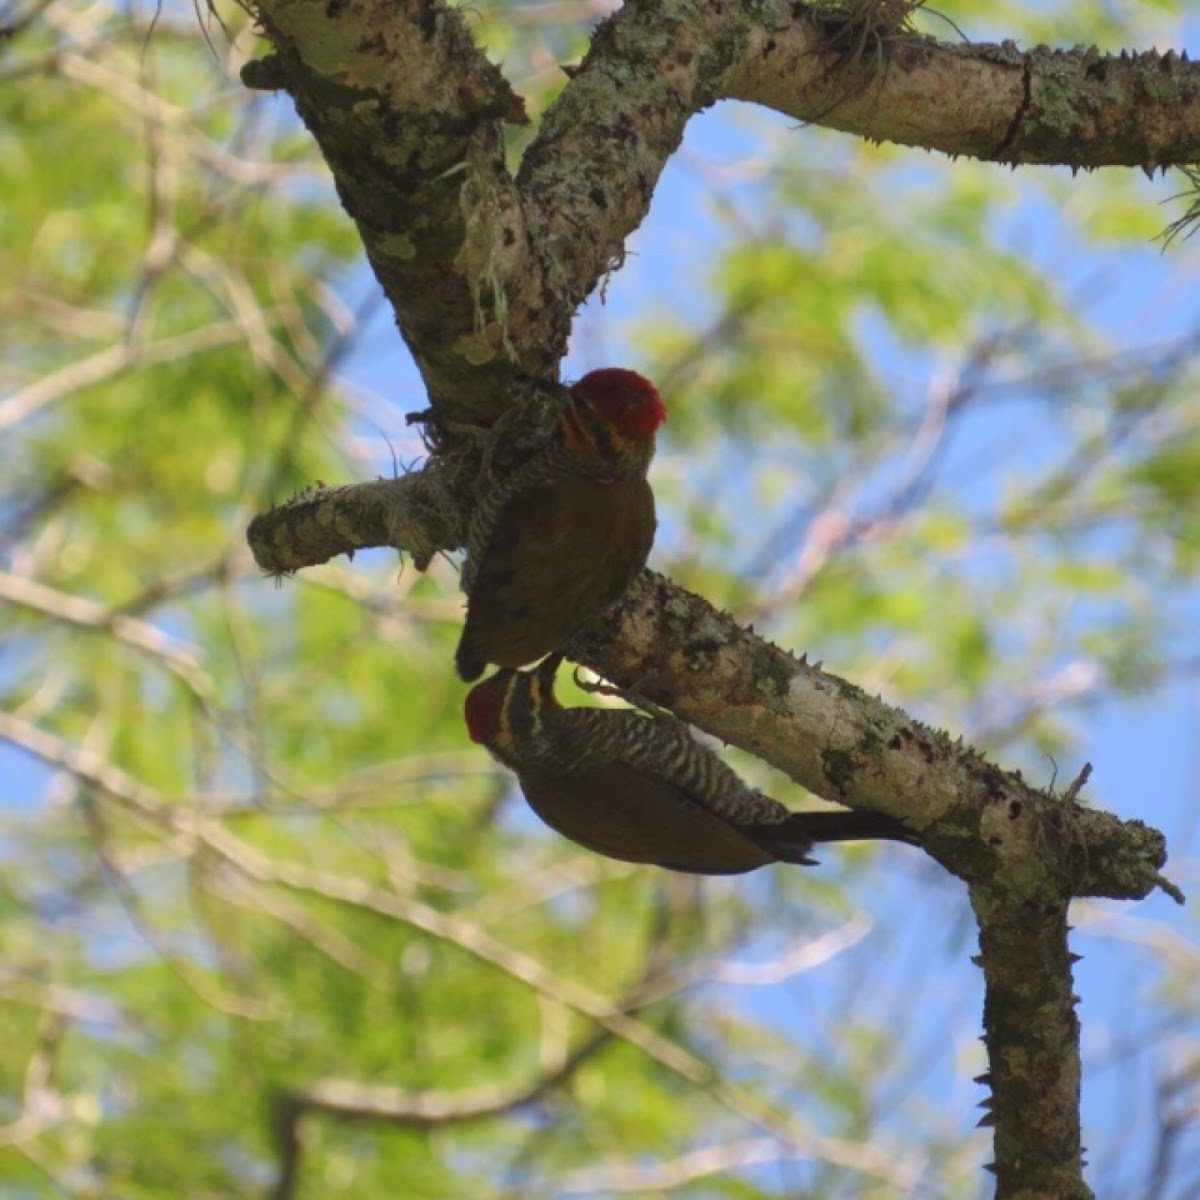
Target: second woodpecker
{"x":643,"y":789}
{"x":561,"y":540}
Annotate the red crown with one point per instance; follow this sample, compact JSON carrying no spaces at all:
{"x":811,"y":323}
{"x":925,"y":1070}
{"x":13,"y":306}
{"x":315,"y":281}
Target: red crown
{"x":627,"y":401}
{"x":485,"y":702}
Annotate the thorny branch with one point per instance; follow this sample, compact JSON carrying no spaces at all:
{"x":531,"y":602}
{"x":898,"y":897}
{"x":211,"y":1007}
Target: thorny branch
{"x":486,"y":270}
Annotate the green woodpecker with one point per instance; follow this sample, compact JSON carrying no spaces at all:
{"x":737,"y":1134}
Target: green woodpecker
{"x":561,"y":540}
{"x":642,"y":789}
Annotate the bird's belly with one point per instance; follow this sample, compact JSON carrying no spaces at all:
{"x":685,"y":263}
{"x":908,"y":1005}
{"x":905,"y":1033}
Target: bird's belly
{"x":623,"y":814}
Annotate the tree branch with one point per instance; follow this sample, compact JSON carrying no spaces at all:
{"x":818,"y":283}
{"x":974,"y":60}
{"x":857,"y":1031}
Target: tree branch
{"x":485,"y":273}
{"x":1025,"y":853}
{"x":673,"y":648}
{"x":1076,"y":107}
{"x":676,"y":650}
{"x":409,"y":115}
{"x":411,"y":513}
{"x":587,"y":179}
{"x":1032,"y":1036}
{"x":351,"y":1101}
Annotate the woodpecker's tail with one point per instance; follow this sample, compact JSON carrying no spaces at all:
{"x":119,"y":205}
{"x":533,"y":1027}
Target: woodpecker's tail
{"x":791,"y":839}
{"x":466,"y":658}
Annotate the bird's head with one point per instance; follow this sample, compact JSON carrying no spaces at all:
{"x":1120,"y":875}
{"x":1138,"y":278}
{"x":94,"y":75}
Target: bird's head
{"x":507,"y":711}
{"x":613,"y":413}
{"x":484,"y":707}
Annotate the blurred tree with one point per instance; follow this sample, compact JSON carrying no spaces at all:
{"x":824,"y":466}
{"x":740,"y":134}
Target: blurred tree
{"x":270,"y":925}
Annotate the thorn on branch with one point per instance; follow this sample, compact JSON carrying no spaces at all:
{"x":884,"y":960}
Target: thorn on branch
{"x":1165,"y":885}
{"x":1076,"y":785}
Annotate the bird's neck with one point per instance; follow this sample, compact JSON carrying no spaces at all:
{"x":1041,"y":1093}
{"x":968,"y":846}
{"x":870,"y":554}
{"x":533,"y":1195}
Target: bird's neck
{"x":596,"y":449}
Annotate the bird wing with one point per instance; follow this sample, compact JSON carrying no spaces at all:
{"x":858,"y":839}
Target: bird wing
{"x":495,"y":494}
{"x":660,"y":778}
{"x":664,"y":749}
{"x":560,"y":553}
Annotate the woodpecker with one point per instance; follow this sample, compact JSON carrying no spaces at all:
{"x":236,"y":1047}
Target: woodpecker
{"x":642,"y":789}
{"x":561,"y":540}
